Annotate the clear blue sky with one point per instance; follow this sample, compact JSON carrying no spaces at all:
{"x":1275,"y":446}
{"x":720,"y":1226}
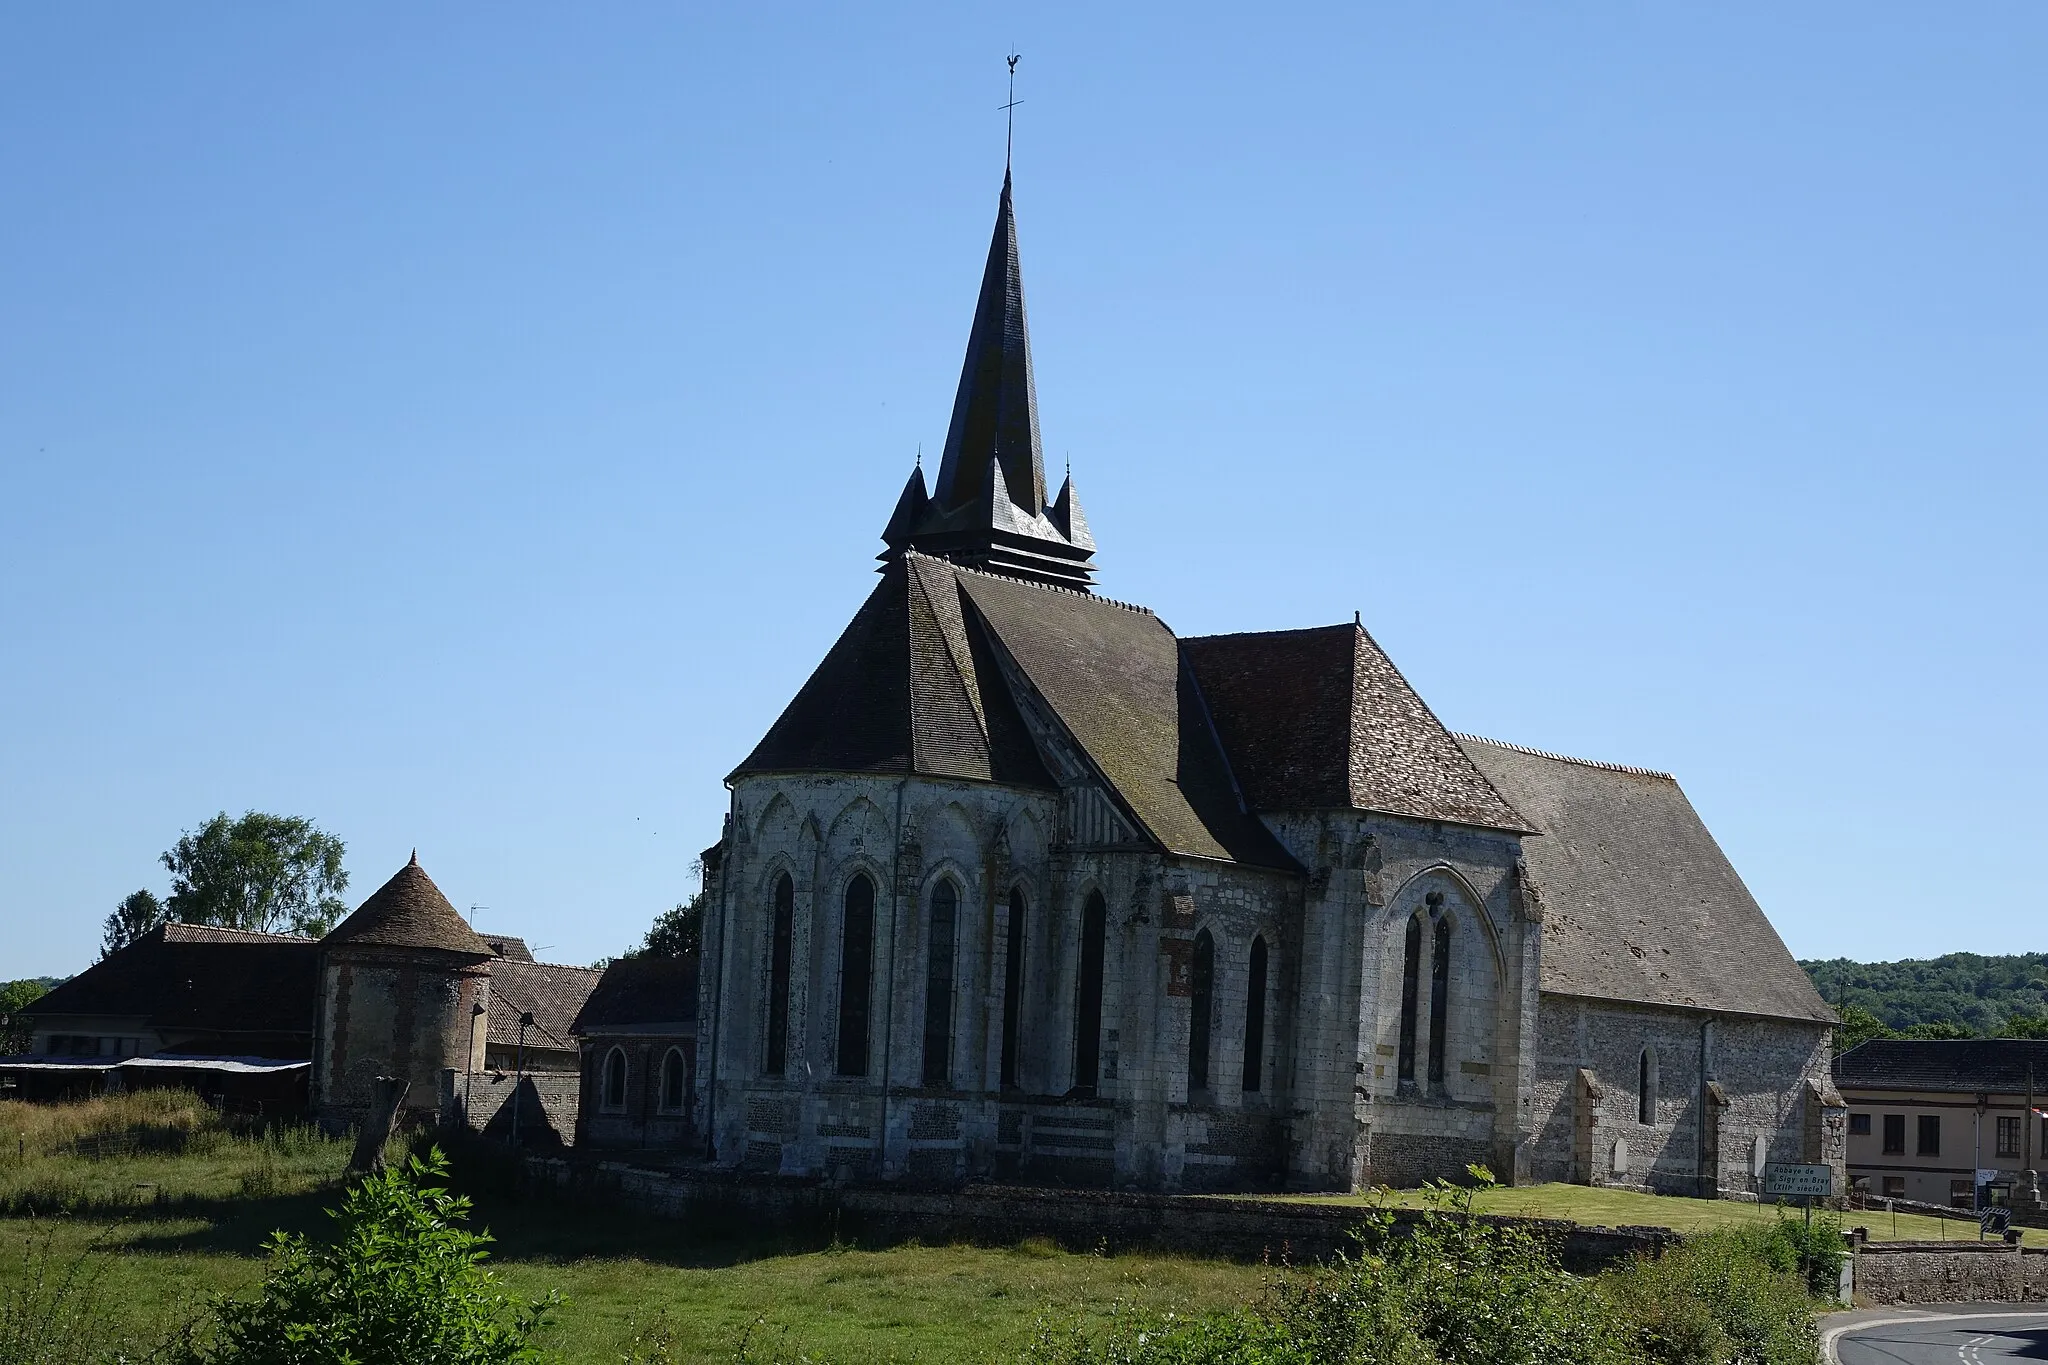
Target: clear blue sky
{"x":467,"y":426}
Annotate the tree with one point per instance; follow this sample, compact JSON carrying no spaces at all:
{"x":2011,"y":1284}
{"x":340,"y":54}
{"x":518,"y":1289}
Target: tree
{"x":1858,"y":1026}
{"x":1939,"y":1031}
{"x":403,"y":1285}
{"x":674,"y":933}
{"x":2025,"y":1026}
{"x":137,"y":914}
{"x":263,"y":873}
{"x":15,"y":1032}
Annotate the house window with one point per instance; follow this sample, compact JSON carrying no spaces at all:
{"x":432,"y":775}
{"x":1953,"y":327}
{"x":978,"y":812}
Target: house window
{"x":1859,"y":1125}
{"x":1255,"y":1018}
{"x":1439,"y":999}
{"x":615,"y":1079}
{"x":938,"y":985}
{"x":1203,"y":983}
{"x":1411,"y":969}
{"x":856,"y":976}
{"x":1646,"y":1086}
{"x":1895,"y":1187}
{"x":1930,"y":1135}
{"x":775,"y":1058}
{"x":674,"y":1081}
{"x":1894,"y":1134}
{"x":2009,"y":1135}
{"x":1962,"y":1194}
{"x":1013,"y":987}
{"x":1088,"y":996}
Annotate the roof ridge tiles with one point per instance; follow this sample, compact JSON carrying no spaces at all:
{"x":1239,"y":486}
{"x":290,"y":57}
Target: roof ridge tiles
{"x":1028,"y":583}
{"x":1564,"y":758}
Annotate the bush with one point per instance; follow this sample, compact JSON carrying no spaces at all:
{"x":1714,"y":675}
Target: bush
{"x":403,"y":1285}
{"x":1733,"y":1296}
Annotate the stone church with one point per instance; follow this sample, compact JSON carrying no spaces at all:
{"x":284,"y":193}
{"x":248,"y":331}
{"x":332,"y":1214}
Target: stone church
{"x":1024,"y":886}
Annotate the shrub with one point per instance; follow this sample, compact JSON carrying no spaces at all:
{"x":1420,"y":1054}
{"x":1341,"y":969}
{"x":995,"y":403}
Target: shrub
{"x":1736,"y":1295}
{"x":402,"y":1285}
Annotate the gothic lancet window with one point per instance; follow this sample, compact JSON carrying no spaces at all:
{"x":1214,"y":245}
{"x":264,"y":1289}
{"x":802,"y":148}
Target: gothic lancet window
{"x":775,"y":1056}
{"x":1013,"y":987}
{"x":1203,"y":982}
{"x":1088,"y":996}
{"x":1439,"y":998}
{"x":938,"y":985}
{"x":674,"y":1081}
{"x":1646,"y":1086}
{"x":1255,"y":1018}
{"x":615,"y":1079}
{"x":856,"y":976}
{"x":1411,"y":970}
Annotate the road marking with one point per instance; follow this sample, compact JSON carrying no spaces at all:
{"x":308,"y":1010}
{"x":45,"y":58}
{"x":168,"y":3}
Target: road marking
{"x":1829,"y":1336}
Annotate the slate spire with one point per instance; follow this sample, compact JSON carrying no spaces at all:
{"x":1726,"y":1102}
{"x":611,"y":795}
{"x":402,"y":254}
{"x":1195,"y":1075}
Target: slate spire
{"x":988,"y":506}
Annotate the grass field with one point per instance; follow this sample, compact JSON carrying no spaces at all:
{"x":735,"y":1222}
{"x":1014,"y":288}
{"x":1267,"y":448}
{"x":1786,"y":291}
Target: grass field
{"x":1614,"y":1208}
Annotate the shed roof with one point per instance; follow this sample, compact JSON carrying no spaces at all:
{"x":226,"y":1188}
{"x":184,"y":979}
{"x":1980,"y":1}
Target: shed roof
{"x":409,"y":911}
{"x":1639,"y":902}
{"x":1965,"y":1066}
{"x":198,"y":978}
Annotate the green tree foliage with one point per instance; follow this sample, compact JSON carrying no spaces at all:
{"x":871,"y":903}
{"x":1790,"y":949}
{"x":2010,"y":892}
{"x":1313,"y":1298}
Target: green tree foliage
{"x":137,"y":914}
{"x":1858,"y":1026}
{"x":2025,"y":1026}
{"x":674,"y":933}
{"x":1966,"y":990}
{"x":263,"y":872}
{"x":15,"y":1032}
{"x":403,"y":1284}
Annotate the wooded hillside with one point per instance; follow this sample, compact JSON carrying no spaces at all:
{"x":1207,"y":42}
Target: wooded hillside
{"x":1979,"y":993}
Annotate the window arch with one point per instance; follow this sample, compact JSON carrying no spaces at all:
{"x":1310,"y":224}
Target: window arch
{"x":675,"y":1081}
{"x":614,"y":1096}
{"x":1439,"y":998}
{"x":1013,"y":987}
{"x":942,"y":927}
{"x":1255,"y":1017}
{"x":781,"y":930}
{"x":1088,"y":996}
{"x":1202,"y":983}
{"x":1646,"y":1086}
{"x":856,"y":976}
{"x":1411,"y":970}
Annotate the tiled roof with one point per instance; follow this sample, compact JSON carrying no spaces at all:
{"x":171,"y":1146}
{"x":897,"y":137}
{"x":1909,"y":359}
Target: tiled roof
{"x":508,"y":946}
{"x":202,"y":979}
{"x":640,"y":991}
{"x":1639,"y":902}
{"x":1967,"y":1066}
{"x":409,"y":911}
{"x":553,"y":994}
{"x":1321,"y":718}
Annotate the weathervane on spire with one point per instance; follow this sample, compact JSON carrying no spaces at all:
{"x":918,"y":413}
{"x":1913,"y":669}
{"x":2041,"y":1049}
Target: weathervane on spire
{"x":1010,"y":112}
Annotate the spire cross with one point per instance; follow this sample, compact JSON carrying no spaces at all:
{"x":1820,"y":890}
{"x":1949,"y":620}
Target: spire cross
{"x":1010,"y":112}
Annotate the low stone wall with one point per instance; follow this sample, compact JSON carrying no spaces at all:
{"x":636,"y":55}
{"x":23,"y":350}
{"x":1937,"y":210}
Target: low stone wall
{"x":1080,"y":1220}
{"x":1951,"y":1272}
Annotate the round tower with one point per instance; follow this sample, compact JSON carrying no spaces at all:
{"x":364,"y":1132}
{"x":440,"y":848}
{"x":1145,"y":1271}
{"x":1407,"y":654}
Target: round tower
{"x":404,"y":990}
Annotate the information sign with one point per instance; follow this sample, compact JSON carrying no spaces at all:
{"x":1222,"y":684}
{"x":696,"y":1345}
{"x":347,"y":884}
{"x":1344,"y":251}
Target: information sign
{"x":1799,"y":1182}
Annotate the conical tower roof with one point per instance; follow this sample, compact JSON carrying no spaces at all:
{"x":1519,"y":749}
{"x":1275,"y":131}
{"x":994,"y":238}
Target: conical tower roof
{"x":409,"y":911}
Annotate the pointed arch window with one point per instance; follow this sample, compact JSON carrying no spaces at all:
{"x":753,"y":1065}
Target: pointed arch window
{"x":938,"y":984}
{"x":1202,"y":980}
{"x":675,"y":1081}
{"x":1646,"y":1086}
{"x":782,"y":929}
{"x":1088,"y":996}
{"x":1411,"y":973}
{"x":614,"y":1097}
{"x":1439,"y":998}
{"x":856,"y":976}
{"x":1013,"y":987}
{"x":1255,"y":1018}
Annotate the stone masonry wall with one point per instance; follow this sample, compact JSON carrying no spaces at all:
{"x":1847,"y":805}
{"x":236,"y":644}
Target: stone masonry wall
{"x":1951,"y":1272}
{"x":483,"y":1102}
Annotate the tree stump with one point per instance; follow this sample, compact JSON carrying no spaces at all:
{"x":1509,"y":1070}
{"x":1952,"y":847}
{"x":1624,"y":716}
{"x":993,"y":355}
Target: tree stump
{"x":387,"y":1094}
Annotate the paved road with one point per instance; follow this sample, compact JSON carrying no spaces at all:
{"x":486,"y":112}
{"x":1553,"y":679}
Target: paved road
{"x":1980,"y":1334}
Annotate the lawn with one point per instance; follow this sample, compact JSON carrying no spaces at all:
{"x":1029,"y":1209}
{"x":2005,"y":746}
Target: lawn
{"x":1617,"y":1208}
{"x":159,"y":1228}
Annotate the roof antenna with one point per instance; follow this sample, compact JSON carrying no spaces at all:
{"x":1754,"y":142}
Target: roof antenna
{"x":1010,"y":110}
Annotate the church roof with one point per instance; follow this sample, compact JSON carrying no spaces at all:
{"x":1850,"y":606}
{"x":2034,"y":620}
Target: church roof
{"x":409,"y":911}
{"x":918,"y":683}
{"x":642,"y":991}
{"x":1639,"y":902}
{"x":1321,"y":718}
